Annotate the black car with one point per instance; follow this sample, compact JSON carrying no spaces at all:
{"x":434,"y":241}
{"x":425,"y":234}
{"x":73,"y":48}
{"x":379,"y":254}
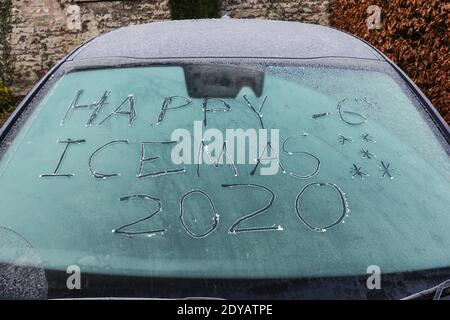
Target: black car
{"x":225,"y":158}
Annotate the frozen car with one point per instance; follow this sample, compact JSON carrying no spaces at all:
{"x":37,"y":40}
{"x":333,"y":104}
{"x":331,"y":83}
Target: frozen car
{"x":225,"y":159}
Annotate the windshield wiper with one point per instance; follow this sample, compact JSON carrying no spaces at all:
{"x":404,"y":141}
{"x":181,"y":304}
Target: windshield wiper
{"x":143,"y":298}
{"x":435,"y":293}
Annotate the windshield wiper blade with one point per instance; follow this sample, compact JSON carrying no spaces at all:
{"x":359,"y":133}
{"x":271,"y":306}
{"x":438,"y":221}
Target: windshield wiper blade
{"x":435,"y":293}
{"x":143,"y":298}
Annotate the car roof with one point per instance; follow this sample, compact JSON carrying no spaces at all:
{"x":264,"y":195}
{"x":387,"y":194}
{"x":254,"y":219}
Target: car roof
{"x":220,"y":38}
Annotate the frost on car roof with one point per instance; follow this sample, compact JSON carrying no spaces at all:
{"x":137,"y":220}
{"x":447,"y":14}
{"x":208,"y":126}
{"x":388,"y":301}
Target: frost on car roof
{"x":226,"y":38}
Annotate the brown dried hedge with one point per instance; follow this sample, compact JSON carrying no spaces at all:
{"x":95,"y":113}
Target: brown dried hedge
{"x":413,"y":34}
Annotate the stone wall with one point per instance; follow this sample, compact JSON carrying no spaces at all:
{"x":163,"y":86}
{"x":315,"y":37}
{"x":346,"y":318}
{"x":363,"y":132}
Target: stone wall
{"x":44,"y":31}
{"x":311,"y":11}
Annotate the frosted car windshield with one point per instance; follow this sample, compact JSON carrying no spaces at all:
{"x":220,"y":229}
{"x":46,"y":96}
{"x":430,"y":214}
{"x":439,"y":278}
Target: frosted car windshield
{"x":324,"y":172}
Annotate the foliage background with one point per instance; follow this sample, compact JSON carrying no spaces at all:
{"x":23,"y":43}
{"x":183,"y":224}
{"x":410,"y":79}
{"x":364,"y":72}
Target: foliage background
{"x":414,"y":34}
{"x":7,"y":102}
{"x":5,"y":48}
{"x":194,"y":9}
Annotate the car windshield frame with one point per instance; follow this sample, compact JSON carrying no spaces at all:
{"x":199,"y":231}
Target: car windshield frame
{"x":397,"y":285}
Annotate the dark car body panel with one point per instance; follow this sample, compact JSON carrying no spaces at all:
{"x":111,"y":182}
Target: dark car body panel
{"x":239,"y":39}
